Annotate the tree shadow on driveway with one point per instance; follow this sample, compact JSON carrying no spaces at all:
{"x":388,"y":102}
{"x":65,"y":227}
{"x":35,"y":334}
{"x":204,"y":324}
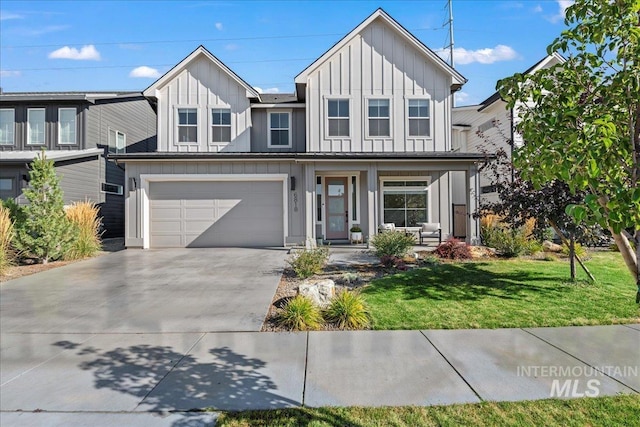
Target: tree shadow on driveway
{"x":165,"y":380}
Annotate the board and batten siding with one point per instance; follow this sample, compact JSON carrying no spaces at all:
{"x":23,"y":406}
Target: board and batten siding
{"x":379,"y":63}
{"x":260,"y":131}
{"x":203,"y":85}
{"x":296,"y":208}
{"x":51,"y":126}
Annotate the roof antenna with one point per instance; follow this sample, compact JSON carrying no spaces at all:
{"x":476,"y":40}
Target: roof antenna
{"x":450,"y":24}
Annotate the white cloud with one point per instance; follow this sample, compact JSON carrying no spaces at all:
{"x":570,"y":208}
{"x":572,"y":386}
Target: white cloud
{"x":487,"y":55}
{"x":461,"y":97}
{"x":5,"y":16}
{"x":268,"y":90}
{"x":145,"y":72}
{"x":231,"y":47}
{"x":537,"y":9}
{"x":86,"y":53}
{"x":10,"y":73}
{"x":219,"y":26}
{"x":562,"y":10}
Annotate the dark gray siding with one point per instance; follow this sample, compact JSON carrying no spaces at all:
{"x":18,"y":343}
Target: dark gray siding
{"x":80,"y":180}
{"x":51,"y":126}
{"x":259,"y":131}
{"x":15,"y":174}
{"x":132,"y":116}
{"x":136,"y":119}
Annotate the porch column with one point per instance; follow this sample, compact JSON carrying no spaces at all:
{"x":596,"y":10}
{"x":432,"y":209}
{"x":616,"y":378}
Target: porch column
{"x":372,"y":200}
{"x":473,"y":224}
{"x":309,"y":204}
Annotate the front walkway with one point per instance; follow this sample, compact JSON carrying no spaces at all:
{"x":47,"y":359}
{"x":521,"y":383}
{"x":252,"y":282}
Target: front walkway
{"x":153,"y":379}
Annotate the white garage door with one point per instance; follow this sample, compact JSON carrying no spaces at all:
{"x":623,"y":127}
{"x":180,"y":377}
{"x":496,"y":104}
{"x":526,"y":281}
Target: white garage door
{"x":216,"y":214}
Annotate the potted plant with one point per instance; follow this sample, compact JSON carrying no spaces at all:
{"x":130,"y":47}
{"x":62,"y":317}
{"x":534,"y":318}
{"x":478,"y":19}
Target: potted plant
{"x":356,"y":233}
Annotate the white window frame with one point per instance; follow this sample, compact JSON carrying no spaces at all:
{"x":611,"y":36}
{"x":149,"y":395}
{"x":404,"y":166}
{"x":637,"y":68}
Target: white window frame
{"x":177,"y":124}
{"x":367,"y":99}
{"x":289,"y":129}
{"x":118,"y":192}
{"x":408,"y":119}
{"x":13,"y":127}
{"x":75,"y":125}
{"x":327,"y":118}
{"x":114,"y":148}
{"x":28,"y":142}
{"x":427,"y":189}
{"x":211,"y":125}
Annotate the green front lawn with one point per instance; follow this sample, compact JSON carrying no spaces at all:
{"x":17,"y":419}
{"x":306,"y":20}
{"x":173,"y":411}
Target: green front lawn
{"x":504,"y":294}
{"x":601,"y":411}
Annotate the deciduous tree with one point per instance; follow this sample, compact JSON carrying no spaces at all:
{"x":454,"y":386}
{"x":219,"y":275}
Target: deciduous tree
{"x":581,"y":119}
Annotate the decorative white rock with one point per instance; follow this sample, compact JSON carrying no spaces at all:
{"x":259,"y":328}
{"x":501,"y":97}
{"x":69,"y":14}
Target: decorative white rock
{"x":319,"y":292}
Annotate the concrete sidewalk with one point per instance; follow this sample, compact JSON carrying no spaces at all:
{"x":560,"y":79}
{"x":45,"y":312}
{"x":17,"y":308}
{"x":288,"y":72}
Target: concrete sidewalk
{"x":155,"y":379}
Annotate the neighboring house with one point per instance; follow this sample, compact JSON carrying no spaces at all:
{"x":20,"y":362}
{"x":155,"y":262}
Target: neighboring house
{"x":366,"y":139}
{"x":490,"y":126}
{"x":76,"y":130}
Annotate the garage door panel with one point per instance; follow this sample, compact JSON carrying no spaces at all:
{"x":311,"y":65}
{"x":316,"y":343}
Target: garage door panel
{"x":210,"y":213}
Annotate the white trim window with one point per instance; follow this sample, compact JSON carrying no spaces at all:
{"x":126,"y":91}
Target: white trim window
{"x":405,"y":203}
{"x":378,"y":118}
{"x":67,"y":126}
{"x":109,"y":188}
{"x":36,"y":126}
{"x":187,"y":125}
{"x":117,"y":141}
{"x":419,"y":119}
{"x":337,"y":117}
{"x":7,"y":126}
{"x":220,"y":125}
{"x":279,"y":129}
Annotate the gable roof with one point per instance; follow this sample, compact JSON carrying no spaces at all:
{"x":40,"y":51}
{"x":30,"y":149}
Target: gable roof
{"x":535,"y":67}
{"x":458,"y":78}
{"x":177,"y":69}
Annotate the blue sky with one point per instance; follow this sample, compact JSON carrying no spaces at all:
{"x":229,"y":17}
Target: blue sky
{"x":126,"y":45}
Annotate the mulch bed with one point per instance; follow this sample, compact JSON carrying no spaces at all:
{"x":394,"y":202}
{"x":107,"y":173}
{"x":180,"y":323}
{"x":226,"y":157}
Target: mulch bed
{"x":288,"y":288}
{"x":27,"y":267}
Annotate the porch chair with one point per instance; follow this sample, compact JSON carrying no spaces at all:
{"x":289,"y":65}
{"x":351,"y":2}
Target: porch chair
{"x":430,"y":230}
{"x":388,"y":226}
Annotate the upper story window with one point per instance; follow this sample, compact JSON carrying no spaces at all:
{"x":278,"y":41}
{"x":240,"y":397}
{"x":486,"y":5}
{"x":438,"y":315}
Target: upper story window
{"x":7,"y":126}
{"x":220,"y":125}
{"x":378,"y":117}
{"x":419,"y":121}
{"x":187,"y":125}
{"x":35,"y":126}
{"x":117,"y":141}
{"x":279,"y":129}
{"x":66,"y":126}
{"x":338,"y":117}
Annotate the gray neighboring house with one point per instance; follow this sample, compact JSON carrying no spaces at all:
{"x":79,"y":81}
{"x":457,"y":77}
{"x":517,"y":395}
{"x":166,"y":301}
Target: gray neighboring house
{"x":365,"y":140}
{"x":77,"y":130}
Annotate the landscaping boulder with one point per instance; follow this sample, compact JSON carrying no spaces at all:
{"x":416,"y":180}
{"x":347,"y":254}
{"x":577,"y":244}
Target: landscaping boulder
{"x":549,"y":246}
{"x":320,"y":292}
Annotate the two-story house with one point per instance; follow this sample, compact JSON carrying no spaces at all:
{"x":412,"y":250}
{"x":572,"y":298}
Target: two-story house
{"x":491,"y":126}
{"x":76,"y":130}
{"x":366,"y":139}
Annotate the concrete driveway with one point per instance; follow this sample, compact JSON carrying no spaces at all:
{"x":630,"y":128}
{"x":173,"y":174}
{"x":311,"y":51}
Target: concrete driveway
{"x":147,"y":291}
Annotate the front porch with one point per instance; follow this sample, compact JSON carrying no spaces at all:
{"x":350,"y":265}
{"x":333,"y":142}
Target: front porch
{"x":342,"y":195}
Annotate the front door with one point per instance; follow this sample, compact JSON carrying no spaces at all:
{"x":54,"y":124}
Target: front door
{"x":337,"y":215}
